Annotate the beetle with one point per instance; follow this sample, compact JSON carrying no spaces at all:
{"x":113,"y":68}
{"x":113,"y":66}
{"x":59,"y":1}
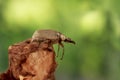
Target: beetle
{"x":52,"y":35}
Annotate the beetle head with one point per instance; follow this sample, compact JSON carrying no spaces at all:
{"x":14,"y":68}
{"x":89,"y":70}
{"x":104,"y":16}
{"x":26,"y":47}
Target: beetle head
{"x":62,"y":37}
{"x":66,"y":39}
{"x":69,"y":40}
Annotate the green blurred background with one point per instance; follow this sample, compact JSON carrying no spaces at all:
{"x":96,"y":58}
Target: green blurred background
{"x":93,"y":24}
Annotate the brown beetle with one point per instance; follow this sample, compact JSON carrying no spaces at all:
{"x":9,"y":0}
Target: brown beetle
{"x":53,"y":36}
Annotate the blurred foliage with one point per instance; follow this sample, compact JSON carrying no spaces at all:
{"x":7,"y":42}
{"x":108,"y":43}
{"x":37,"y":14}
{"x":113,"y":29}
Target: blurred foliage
{"x":93,"y":24}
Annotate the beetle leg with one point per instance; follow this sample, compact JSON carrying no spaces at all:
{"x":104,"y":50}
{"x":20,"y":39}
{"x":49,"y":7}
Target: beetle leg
{"x":62,"y":54}
{"x":58,"y":50}
{"x":63,"y":50}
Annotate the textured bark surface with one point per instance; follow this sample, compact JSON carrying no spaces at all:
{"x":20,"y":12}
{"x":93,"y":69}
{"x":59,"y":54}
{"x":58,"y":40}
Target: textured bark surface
{"x":30,"y":61}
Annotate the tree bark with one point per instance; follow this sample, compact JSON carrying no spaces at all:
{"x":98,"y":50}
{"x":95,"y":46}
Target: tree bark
{"x":30,"y":61}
